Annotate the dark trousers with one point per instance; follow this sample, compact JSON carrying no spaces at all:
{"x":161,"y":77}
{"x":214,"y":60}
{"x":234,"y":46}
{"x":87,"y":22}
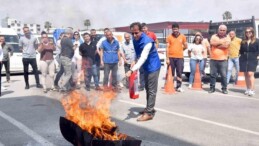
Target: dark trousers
{"x":141,"y":78}
{"x":98,"y":72}
{"x":7,"y":69}
{"x":177,"y":65}
{"x":203,"y":74}
{"x":1,"y":80}
{"x":127,"y":68}
{"x":218,"y":67}
{"x":110,"y":67}
{"x":58,"y":75}
{"x":33,"y":63}
{"x":151,"y":83}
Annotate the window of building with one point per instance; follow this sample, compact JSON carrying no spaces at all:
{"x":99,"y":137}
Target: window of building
{"x":31,"y":25}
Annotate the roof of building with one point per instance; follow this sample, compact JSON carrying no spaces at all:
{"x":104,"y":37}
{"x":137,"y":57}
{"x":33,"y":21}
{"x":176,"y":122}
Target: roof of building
{"x":168,"y":25}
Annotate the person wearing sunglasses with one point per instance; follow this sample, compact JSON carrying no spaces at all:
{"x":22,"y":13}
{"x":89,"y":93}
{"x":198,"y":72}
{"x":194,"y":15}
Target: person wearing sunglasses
{"x":205,"y":43}
{"x":146,"y":57}
{"x":77,"y":60}
{"x":248,"y":59}
{"x":195,"y":52}
{"x":219,"y":58}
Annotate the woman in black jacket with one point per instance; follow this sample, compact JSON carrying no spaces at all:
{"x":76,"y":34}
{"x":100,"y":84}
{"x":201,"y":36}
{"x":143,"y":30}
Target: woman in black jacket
{"x":248,"y":59}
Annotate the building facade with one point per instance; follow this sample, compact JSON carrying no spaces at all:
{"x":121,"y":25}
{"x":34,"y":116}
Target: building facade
{"x":163,"y":29}
{"x":18,"y":25}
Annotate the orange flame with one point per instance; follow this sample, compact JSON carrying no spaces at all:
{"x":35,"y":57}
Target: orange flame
{"x":92,"y":113}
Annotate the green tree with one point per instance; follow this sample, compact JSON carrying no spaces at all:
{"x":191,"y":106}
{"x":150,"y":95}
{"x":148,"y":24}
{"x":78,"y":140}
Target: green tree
{"x":87,"y":23}
{"x":47,"y":25}
{"x":227,"y":16}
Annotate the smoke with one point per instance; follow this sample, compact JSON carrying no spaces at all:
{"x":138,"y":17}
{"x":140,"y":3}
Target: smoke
{"x":112,"y":13}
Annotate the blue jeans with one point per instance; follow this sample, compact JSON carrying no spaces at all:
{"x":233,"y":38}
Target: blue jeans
{"x":232,"y":62}
{"x":193,"y":63}
{"x":89,"y":72}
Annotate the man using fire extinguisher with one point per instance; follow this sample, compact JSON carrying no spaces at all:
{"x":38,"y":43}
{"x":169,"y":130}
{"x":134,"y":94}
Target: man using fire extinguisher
{"x":146,"y":56}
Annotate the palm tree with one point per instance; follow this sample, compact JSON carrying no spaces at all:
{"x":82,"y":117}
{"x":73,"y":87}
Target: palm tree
{"x":227,"y":16}
{"x":47,"y":25}
{"x":87,"y":23}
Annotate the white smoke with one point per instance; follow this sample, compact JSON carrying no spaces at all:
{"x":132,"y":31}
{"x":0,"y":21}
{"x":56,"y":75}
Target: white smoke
{"x":111,"y":13}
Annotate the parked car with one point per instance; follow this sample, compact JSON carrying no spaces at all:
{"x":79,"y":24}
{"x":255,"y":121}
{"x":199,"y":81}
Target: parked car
{"x":161,"y":50}
{"x":11,"y":38}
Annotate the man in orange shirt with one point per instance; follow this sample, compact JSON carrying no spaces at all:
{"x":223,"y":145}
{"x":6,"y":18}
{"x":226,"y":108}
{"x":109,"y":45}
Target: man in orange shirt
{"x":176,"y":44}
{"x":219,"y":58}
{"x":151,"y":34}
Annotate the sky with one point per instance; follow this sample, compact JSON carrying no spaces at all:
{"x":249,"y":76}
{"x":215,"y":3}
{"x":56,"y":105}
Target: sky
{"x":115,"y":13}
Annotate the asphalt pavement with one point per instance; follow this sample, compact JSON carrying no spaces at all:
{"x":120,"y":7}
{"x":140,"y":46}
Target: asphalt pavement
{"x":192,"y":118}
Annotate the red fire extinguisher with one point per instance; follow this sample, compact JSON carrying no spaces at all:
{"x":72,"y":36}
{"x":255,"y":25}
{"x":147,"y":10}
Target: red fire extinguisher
{"x":133,"y":85}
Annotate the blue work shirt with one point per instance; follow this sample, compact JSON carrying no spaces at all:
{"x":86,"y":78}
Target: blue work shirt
{"x":110,"y":51}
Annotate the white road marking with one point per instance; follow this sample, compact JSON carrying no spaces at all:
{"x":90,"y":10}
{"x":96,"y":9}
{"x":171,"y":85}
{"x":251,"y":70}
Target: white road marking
{"x":26,"y":130}
{"x":229,"y":95}
{"x":1,"y":144}
{"x":196,"y":119}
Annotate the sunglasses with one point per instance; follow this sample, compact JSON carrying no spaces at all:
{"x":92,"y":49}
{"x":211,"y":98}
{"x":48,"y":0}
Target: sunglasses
{"x":248,"y":31}
{"x":135,"y":33}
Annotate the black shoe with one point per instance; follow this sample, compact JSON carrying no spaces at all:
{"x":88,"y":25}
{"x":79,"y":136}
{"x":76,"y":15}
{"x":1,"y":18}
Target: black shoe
{"x":140,"y":89}
{"x":39,"y":86}
{"x":224,"y":91}
{"x":27,"y":87}
{"x":98,"y":88}
{"x":87,"y":88}
{"x":212,"y":90}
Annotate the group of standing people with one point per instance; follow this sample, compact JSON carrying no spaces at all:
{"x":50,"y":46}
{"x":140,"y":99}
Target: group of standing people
{"x":226,"y":51}
{"x":139,"y":52}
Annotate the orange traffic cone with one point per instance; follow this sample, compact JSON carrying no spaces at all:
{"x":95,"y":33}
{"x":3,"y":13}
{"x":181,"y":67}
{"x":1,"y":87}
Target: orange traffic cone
{"x":241,"y":80}
{"x":164,"y":78}
{"x":169,"y":85}
{"x":197,"y":78}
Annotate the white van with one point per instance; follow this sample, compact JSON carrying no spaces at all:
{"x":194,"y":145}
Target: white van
{"x":12,"y":38}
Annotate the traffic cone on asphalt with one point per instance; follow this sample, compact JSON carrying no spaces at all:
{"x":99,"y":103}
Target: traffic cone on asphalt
{"x":241,"y":80}
{"x":164,"y":78}
{"x":169,"y":85}
{"x":197,"y":78}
